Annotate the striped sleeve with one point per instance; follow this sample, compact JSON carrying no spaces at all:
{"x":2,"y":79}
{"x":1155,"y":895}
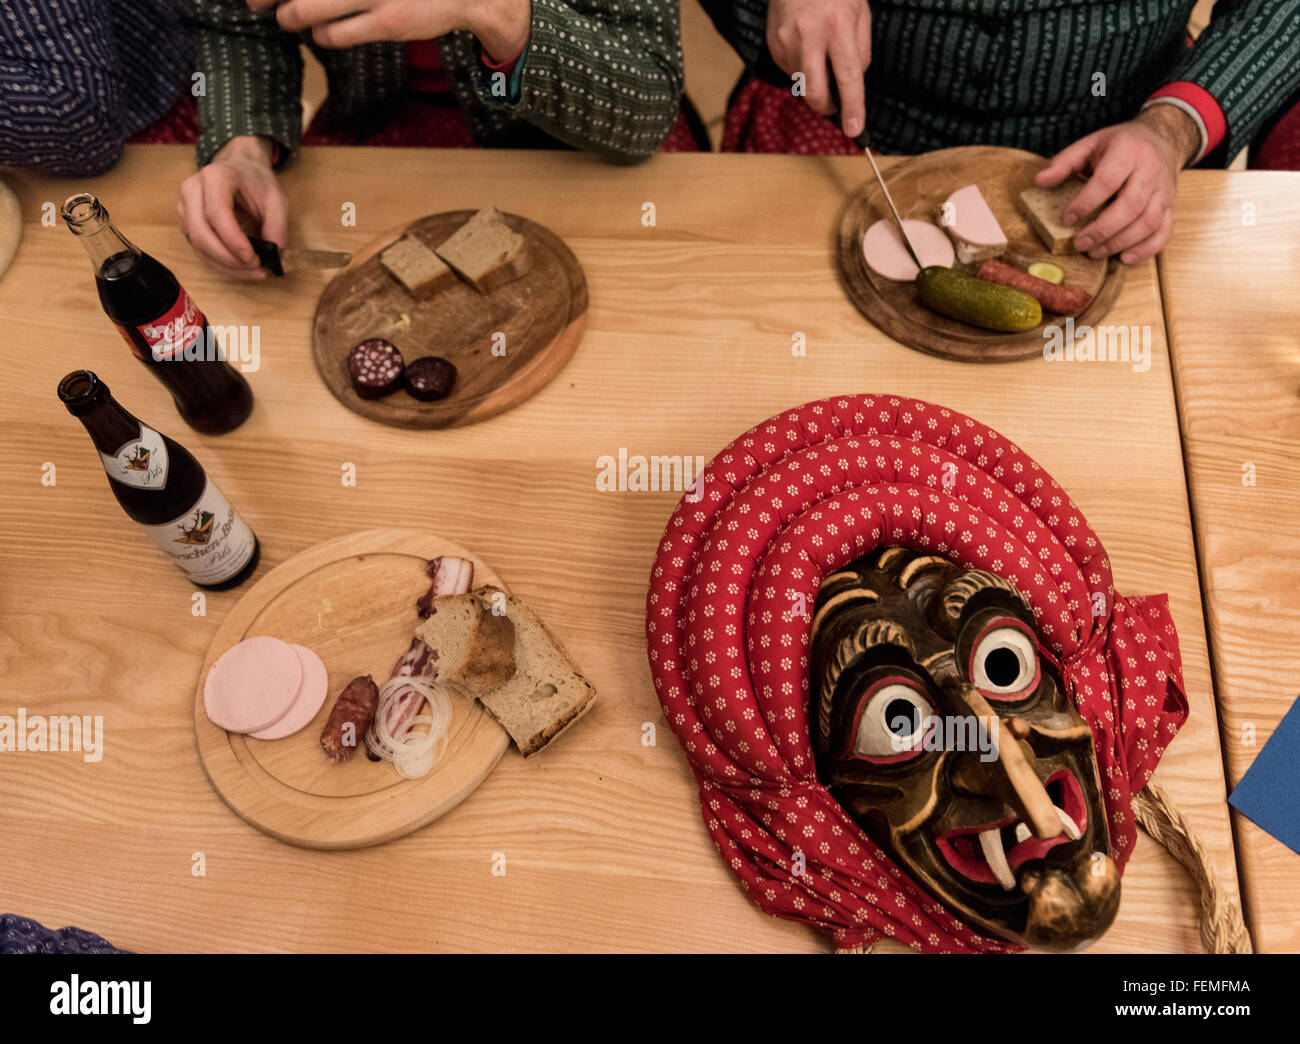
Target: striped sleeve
{"x":252,"y":72}
{"x":1248,"y":61}
{"x":601,"y":75}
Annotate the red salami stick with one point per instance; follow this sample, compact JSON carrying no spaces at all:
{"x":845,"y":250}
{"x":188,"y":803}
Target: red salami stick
{"x":1063,"y":300}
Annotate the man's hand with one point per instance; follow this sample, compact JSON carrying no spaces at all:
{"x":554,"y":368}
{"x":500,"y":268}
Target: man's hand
{"x":502,"y":26}
{"x":1135,"y":165}
{"x":239,"y":174}
{"x":804,"y":35}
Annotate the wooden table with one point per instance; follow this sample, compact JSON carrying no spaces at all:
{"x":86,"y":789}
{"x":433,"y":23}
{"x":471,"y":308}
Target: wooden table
{"x":1231,"y":302}
{"x":689,"y":344}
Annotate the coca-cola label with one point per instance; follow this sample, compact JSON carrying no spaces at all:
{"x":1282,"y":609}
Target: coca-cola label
{"x":141,"y":462}
{"x":171,"y":333}
{"x":210,"y":542}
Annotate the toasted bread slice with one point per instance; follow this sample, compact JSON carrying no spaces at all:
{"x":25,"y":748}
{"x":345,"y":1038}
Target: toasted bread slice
{"x":1043,"y":206}
{"x":417,"y":268}
{"x":475,"y":649}
{"x":486,"y":252}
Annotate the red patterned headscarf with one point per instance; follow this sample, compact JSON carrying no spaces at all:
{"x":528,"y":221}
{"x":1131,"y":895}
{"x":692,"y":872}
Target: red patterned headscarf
{"x":798,"y":497}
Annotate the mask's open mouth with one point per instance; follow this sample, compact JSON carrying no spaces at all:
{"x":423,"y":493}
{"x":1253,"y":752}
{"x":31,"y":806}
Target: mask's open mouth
{"x":993,"y":852}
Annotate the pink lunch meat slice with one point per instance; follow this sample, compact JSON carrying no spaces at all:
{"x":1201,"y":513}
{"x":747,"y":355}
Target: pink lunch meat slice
{"x":310,"y":699}
{"x":885,"y":253}
{"x":252,"y":685}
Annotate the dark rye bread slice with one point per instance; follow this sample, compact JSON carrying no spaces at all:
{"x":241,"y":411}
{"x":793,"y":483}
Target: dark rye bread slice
{"x":475,"y":649}
{"x":546,"y":694}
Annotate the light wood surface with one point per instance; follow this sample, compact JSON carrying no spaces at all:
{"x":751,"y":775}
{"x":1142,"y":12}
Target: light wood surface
{"x":919,"y":186}
{"x":352,"y":602}
{"x":537,"y":320}
{"x":689,"y":343}
{"x":1229,"y":280}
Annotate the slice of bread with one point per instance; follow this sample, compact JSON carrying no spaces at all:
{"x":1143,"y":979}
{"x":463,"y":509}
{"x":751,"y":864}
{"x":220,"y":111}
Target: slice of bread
{"x":1043,"y":206}
{"x":475,"y":649}
{"x":486,"y":252}
{"x":417,"y":267}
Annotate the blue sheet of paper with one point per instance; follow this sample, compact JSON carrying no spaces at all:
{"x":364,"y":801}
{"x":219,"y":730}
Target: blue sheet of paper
{"x":1269,"y":794}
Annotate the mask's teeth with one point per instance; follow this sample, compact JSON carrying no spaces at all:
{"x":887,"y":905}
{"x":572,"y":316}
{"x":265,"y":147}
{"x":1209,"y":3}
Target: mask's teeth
{"x":996,"y":857}
{"x":1071,"y":828}
{"x":1023,"y":833}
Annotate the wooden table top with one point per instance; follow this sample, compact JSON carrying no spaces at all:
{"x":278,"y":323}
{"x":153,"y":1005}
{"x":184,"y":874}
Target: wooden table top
{"x":1233,"y":312}
{"x":689,"y":344}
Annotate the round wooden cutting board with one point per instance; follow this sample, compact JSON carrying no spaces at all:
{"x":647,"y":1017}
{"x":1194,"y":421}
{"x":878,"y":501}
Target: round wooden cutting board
{"x":919,"y":187}
{"x":352,"y":601}
{"x":542,"y":315}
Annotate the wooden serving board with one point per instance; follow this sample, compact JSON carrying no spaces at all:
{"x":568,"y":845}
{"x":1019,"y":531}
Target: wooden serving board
{"x":919,"y":187}
{"x":352,"y":601}
{"x":11,"y":226}
{"x":542,"y":315}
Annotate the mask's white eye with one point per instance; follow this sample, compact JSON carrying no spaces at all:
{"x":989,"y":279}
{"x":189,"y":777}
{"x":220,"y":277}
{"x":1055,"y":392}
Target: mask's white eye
{"x":892,"y":722}
{"x":1004,"y":663}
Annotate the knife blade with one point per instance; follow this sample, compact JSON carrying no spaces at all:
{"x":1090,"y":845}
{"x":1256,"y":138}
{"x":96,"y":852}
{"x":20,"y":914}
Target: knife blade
{"x":861,"y":141}
{"x":293,"y":259}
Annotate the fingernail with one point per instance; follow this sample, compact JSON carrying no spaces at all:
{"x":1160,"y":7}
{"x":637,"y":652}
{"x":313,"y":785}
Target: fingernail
{"x":853,"y":128}
{"x":1068,"y":219}
{"x":1096,"y":253}
{"x":1081,"y":242}
{"x":1128,"y":258}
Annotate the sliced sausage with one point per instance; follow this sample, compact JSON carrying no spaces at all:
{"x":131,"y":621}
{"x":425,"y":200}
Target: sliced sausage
{"x":348,"y":722}
{"x":375,"y":368}
{"x":429,"y":378}
{"x":252,"y":685}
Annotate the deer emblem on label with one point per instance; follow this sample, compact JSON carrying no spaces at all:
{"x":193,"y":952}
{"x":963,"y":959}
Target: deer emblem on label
{"x":197,"y":530}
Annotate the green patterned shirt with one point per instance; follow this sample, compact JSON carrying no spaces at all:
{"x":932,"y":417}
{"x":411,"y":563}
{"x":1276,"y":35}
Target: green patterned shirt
{"x":1039,"y":74}
{"x":601,"y":76}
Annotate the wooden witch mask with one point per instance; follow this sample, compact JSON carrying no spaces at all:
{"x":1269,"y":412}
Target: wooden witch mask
{"x":945,"y":732}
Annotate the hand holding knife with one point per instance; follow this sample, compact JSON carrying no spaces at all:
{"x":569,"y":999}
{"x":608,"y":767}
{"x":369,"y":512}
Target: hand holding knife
{"x":292,"y":259}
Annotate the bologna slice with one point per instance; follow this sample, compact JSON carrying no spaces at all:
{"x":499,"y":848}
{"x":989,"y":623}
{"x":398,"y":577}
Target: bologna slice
{"x":311,"y":695}
{"x":885,"y":253}
{"x":973,"y":226}
{"x":253,"y":684}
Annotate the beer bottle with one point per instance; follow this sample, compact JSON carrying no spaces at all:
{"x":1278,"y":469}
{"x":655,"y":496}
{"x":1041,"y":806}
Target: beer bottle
{"x":160,"y":322}
{"x":160,"y":485}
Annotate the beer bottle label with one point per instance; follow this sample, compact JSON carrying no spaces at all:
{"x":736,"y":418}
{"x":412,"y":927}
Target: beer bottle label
{"x":141,"y":463}
{"x":210,"y":542}
{"x":172,"y":334}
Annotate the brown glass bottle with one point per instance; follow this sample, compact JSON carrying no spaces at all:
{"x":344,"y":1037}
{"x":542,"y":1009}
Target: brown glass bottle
{"x":160,"y":485}
{"x":161,"y":323}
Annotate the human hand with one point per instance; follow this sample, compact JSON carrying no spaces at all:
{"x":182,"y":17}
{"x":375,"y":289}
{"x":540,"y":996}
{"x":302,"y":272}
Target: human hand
{"x":502,"y":26}
{"x":804,"y":35}
{"x":240,"y":174}
{"x":1135,"y":165}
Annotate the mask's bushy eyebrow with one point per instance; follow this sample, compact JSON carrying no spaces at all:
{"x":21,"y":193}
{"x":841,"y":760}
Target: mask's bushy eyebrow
{"x":959,"y":591}
{"x":868,"y":635}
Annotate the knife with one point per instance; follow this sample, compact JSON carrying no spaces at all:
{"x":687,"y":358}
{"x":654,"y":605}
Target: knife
{"x":861,"y":141}
{"x":293,"y":259}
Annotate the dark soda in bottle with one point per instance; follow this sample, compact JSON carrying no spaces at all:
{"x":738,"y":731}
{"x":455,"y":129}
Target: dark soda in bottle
{"x":161,"y":323}
{"x":160,"y":485}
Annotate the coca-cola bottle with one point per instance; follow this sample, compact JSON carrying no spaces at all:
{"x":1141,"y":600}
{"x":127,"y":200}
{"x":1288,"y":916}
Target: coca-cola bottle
{"x":160,"y":322}
{"x":160,"y":485}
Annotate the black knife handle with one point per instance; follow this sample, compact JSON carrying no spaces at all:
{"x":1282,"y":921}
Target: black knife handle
{"x":268,"y":254}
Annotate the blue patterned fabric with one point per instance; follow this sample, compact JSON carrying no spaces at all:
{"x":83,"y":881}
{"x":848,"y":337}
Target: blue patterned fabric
{"x":79,"y":77}
{"x":23,"y":935}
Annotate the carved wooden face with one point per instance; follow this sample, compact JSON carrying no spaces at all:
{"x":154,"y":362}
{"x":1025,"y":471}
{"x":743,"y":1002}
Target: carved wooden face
{"x":946,"y":735}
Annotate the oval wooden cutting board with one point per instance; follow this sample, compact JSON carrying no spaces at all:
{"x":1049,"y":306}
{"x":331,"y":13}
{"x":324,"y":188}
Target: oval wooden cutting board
{"x":352,"y":601}
{"x":541,"y":316}
{"x":919,"y":187}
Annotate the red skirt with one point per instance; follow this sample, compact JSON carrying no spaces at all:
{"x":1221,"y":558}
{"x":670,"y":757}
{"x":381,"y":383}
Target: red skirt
{"x":764,"y":118}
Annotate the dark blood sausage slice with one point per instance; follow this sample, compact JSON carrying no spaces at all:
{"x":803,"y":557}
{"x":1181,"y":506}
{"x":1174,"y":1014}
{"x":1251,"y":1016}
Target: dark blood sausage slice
{"x":430,"y":378}
{"x":1063,"y":300}
{"x":375,"y":368}
{"x":346,"y":728}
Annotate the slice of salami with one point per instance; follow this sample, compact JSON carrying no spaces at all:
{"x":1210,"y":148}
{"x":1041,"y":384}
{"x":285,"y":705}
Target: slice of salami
{"x":429,"y":378}
{"x":375,"y":368}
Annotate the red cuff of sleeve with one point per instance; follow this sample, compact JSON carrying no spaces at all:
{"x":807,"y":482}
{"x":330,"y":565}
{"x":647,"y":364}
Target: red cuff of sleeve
{"x":1193,"y":94}
{"x":507,"y":66}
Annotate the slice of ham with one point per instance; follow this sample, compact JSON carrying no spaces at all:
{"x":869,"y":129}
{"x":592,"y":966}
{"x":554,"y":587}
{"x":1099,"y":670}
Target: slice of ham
{"x":448,"y":575}
{"x":311,"y":697}
{"x":883,"y":248}
{"x":253,"y":684}
{"x":973,"y":227}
